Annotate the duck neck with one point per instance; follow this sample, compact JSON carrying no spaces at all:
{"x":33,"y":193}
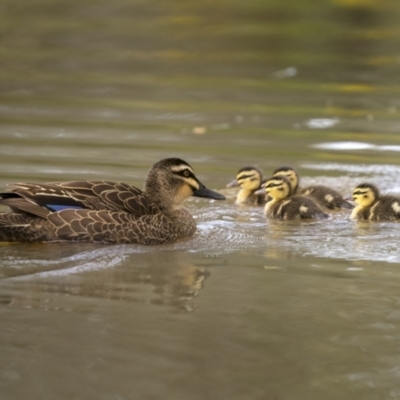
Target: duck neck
{"x":270,"y":204}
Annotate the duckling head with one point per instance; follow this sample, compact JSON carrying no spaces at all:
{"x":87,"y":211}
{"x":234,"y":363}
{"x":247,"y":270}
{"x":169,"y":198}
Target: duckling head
{"x":248,"y":178}
{"x":289,"y":173}
{"x":172,"y":180}
{"x":278,"y":187}
{"x":365,"y":194}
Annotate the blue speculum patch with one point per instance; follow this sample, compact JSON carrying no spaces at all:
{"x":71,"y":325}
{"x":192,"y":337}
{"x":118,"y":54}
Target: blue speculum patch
{"x":58,"y":207}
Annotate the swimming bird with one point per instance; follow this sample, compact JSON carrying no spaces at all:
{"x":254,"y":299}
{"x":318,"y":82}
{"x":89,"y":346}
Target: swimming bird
{"x":249,"y":179}
{"x":372,"y":206}
{"x":284,"y":205}
{"x":324,"y":195}
{"x":105,"y":212}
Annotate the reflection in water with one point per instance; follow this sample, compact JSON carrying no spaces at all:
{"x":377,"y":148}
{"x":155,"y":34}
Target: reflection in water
{"x":117,"y":274}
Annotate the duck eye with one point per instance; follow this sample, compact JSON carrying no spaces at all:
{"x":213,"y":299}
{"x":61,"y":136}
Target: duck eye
{"x":186,"y":173}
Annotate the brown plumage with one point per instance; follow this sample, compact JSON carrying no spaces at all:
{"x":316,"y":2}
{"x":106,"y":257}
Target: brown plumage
{"x":287,"y":207}
{"x":324,"y":195}
{"x":372,"y":206}
{"x":105,"y":212}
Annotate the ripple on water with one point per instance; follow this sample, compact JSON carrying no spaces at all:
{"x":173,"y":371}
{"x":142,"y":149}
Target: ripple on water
{"x":223,"y":229}
{"x":338,"y":238}
{"x":226,"y":230}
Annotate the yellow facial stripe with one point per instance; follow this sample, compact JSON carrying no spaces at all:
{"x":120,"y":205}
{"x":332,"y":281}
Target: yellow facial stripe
{"x":360,"y":192}
{"x":192,"y":183}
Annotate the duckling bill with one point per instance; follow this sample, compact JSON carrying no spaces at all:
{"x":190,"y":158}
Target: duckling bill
{"x":249,"y":179}
{"x":283,"y":205}
{"x":105,"y":212}
{"x":372,"y":206}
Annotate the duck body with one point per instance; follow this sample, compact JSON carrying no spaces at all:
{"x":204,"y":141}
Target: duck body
{"x":371,"y":206}
{"x":249,"y":179}
{"x":283,"y":205}
{"x":323,"y":195}
{"x":105,"y":212}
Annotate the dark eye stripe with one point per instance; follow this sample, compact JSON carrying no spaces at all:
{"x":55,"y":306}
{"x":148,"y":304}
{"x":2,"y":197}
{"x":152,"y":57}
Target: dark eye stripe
{"x":246,"y":177}
{"x":185,"y":173}
{"x":271,"y":185}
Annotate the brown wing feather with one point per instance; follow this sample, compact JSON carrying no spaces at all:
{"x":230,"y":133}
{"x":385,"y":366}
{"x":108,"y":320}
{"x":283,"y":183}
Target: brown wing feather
{"x":95,"y":195}
{"x":21,"y":204}
{"x":112,"y":227}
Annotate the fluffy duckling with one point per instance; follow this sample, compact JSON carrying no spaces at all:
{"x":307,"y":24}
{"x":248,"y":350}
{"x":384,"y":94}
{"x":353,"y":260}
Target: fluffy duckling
{"x":249,"y":179}
{"x":324,"y":195}
{"x":371,"y":206}
{"x":287,"y":207}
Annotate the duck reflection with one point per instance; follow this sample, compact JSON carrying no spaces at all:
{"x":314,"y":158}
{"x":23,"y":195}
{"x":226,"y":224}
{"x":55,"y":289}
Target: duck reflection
{"x":166,"y":278}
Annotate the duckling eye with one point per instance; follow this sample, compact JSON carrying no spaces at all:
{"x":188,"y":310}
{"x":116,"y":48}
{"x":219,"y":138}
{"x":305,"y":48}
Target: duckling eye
{"x":186,"y":173}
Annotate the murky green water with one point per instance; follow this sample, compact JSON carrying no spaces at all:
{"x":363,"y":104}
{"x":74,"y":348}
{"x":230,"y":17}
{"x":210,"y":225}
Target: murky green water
{"x":247,"y":309}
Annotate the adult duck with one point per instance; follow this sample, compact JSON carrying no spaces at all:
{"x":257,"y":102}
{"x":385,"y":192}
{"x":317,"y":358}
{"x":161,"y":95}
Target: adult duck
{"x":105,"y":212}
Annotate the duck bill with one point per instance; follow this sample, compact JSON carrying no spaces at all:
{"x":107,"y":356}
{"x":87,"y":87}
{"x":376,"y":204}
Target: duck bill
{"x":348,"y":198}
{"x":208,"y":193}
{"x":260,"y":191}
{"x":234,"y":183}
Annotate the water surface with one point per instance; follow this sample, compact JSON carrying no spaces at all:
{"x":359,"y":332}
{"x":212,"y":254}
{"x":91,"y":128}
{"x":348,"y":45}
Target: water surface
{"x":247,"y":308}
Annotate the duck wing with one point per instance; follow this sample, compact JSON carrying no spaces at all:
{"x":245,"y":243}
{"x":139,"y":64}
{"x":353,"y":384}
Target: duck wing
{"x":42,"y":199}
{"x":105,"y":195}
{"x":110,"y":227}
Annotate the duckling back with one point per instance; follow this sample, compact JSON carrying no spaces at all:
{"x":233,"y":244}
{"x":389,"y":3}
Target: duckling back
{"x":283,"y":205}
{"x":326,"y":196}
{"x":296,"y":208}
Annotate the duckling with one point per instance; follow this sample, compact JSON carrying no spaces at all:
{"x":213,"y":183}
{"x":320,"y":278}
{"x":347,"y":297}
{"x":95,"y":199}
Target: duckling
{"x":283,"y":205}
{"x":105,"y":212}
{"x":291,"y":175}
{"x":324,"y":195}
{"x":371,"y":206}
{"x":249,"y":179}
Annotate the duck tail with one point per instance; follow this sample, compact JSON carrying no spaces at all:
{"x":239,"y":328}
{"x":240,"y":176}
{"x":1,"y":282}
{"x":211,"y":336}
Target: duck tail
{"x":16,"y":227}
